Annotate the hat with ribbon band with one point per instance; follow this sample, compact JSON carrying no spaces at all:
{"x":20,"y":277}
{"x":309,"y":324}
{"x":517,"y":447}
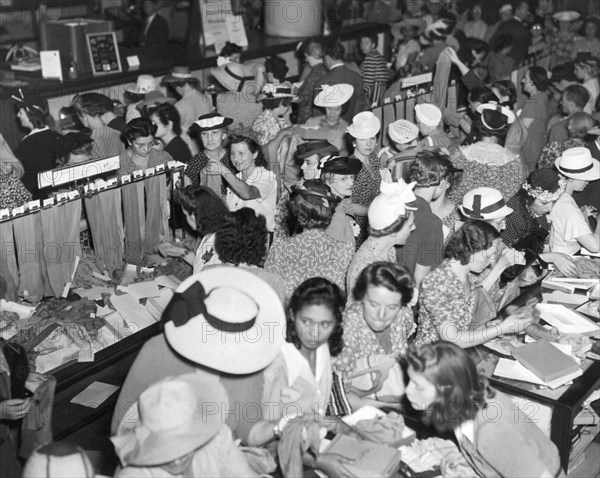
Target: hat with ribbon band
{"x":316,"y":193}
{"x":233,"y":329}
{"x":209,"y":122}
{"x":484,"y":204}
{"x":577,"y":163}
{"x":391,"y":204}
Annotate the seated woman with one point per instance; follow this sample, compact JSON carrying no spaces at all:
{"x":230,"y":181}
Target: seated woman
{"x":330,"y":126}
{"x":204,"y":212}
{"x":74,"y":148}
{"x":487,"y":162}
{"x":445,"y":386}
{"x":141,"y":153}
{"x":300,"y":378}
{"x":254,"y":186}
{"x":242,"y":240}
{"x":312,"y":252}
{"x":570,"y":230}
{"x":377,"y":326}
{"x":339,"y":173}
{"x":169,"y":432}
{"x":447,"y":296}
{"x":390,"y":223}
{"x":276,"y":101}
{"x":528,"y":224}
{"x":167,"y":121}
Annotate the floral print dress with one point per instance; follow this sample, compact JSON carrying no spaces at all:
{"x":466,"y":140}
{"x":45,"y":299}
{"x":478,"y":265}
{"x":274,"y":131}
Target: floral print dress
{"x":442,"y":299}
{"x":365,"y":189}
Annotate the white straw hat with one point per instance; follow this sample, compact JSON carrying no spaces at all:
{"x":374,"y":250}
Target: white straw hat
{"x":577,"y":163}
{"x":403,"y":131}
{"x":428,"y":114}
{"x":364,"y":125}
{"x":334,"y":95}
{"x":226,"y":319}
{"x":144,"y":84}
{"x":391,"y":203}
{"x":484,"y":203}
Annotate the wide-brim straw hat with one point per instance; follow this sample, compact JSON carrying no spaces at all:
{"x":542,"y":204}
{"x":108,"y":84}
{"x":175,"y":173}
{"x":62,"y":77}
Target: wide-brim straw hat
{"x":144,"y":84}
{"x":364,"y":125}
{"x":226,"y":319}
{"x":483,"y":204}
{"x":171,"y":420}
{"x":334,"y":95}
{"x":178,"y":74}
{"x":232,"y":76}
{"x":578,"y":163}
{"x":494,"y":116}
{"x":566,"y":16}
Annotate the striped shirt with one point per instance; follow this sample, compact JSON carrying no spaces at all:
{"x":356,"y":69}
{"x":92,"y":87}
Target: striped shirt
{"x":375,"y":75}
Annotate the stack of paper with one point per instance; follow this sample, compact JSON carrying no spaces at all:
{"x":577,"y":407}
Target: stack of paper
{"x":547,"y":362}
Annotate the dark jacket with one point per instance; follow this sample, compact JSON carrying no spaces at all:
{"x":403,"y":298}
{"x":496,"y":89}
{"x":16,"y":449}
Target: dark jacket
{"x":154,"y":41}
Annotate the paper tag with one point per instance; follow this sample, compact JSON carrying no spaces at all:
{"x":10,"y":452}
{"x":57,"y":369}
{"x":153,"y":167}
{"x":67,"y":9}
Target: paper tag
{"x":138,"y":174}
{"x":133,"y":62}
{"x":18,"y":210}
{"x":73,"y":194}
{"x":126,"y":178}
{"x":111,"y":182}
{"x":33,"y":204}
{"x":159,"y":168}
{"x":150,"y":171}
{"x":4,"y":213}
{"x":86,"y":354}
{"x":61,"y":197}
{"x":48,"y":202}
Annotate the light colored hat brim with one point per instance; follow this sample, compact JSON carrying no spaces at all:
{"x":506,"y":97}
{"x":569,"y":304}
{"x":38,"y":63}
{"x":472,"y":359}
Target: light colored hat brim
{"x":504,"y":211}
{"x":160,"y":448}
{"x":236,"y":353}
{"x":340,"y":95}
{"x":592,"y":174}
{"x":566,"y":16}
{"x":154,"y":101}
{"x":500,"y":108}
{"x":419,"y":24}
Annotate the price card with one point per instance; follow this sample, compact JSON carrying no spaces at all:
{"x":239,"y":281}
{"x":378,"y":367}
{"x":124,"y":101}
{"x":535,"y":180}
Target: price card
{"x":33,"y":205}
{"x":73,"y":194}
{"x":111,"y":182}
{"x":4,"y":213}
{"x":126,"y":178}
{"x":159,"y":168}
{"x":18,"y":210}
{"x":150,"y":171}
{"x":61,"y":197}
{"x":138,"y":174}
{"x":48,"y":202}
{"x":133,"y":62}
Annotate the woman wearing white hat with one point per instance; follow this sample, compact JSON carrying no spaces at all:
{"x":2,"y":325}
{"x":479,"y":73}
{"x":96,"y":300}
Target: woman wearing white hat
{"x":570,"y":230}
{"x":364,"y":130}
{"x":276,"y":101}
{"x":487,"y":162}
{"x":330,"y":126}
{"x":390,"y":222}
{"x":563,"y":40}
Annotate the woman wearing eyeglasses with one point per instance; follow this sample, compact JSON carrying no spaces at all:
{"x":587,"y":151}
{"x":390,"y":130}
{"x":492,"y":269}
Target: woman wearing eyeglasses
{"x":141,"y":152}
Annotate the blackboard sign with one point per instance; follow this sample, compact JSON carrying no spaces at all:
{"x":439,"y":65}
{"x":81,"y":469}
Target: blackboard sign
{"x":104,"y":53}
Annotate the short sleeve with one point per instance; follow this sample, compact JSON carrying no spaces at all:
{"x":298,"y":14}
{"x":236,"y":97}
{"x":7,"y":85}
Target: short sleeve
{"x":265,"y":181}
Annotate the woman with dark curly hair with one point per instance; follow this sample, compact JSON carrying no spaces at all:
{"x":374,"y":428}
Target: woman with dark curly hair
{"x":494,"y":438}
{"x":141,"y":152}
{"x":254,"y":186}
{"x":242,"y":240}
{"x":377,"y":326}
{"x":447,"y":295}
{"x":204,"y":211}
{"x":302,"y":375}
{"x":311,"y":253}
{"x":74,"y":148}
{"x":276,"y":101}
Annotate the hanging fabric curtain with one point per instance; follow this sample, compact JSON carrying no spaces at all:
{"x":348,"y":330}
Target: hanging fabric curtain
{"x":60,"y":231}
{"x":134,"y":220}
{"x":33,"y":276}
{"x":106,"y":223}
{"x":9,"y":270}
{"x":157,"y":212}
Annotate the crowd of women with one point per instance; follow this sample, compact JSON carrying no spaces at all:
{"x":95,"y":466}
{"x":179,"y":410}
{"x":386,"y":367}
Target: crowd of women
{"x":366,"y":275}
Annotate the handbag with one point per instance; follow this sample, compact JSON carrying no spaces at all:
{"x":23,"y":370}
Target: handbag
{"x":378,"y":377}
{"x":351,"y":457}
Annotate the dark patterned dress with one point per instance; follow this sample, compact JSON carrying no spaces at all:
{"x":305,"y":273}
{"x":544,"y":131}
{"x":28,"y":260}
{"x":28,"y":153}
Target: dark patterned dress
{"x":365,"y":189}
{"x":199,"y":162}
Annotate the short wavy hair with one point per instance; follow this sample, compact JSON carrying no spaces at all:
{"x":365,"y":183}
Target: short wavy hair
{"x":138,"y":128}
{"x":461,"y":390}
{"x":252,"y":145}
{"x":472,"y":237}
{"x":309,"y":215}
{"x":318,"y":291}
{"x":394,"y":277}
{"x":430,"y":168}
{"x":205,"y":205}
{"x":165,"y":113}
{"x":242,"y":238}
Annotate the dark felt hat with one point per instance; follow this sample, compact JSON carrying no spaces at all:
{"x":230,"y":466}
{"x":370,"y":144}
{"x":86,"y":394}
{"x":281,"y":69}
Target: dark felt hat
{"x":310,"y":148}
{"x":341,"y":165}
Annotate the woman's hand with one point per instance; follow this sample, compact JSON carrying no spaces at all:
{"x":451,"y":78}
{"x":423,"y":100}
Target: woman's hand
{"x":589,"y":211}
{"x":15,"y":409}
{"x":215,"y":167}
{"x":168,"y":249}
{"x":563,"y":263}
{"x":452,"y":55}
{"x":518,"y":322}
